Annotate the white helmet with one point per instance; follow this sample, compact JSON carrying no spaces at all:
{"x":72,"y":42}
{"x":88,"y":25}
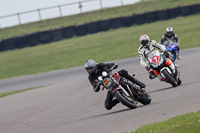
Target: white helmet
{"x":169,"y":29}
{"x":144,"y":40}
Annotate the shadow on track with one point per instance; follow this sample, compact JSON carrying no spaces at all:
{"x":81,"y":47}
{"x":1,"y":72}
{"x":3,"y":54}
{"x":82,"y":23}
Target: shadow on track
{"x":110,"y":113}
{"x":161,"y":89}
{"x":189,"y":83}
{"x":174,"y":87}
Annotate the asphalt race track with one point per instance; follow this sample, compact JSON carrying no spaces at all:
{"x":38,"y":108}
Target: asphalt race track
{"x":68,"y":104}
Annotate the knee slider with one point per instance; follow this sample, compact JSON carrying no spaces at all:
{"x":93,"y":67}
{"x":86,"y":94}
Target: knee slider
{"x":151,"y":75}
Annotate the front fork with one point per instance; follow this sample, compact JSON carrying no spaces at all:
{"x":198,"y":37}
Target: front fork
{"x":120,"y":87}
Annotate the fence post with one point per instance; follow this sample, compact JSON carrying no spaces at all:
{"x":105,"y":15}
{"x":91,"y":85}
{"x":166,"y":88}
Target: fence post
{"x":80,"y":6}
{"x":101,"y":4}
{"x":59,"y":7}
{"x":122,"y":3}
{"x":39,"y":14}
{"x":18,"y":15}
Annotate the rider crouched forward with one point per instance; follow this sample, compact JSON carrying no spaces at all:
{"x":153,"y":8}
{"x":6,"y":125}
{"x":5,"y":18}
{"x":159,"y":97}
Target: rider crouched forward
{"x":95,"y":70}
{"x":145,"y":50}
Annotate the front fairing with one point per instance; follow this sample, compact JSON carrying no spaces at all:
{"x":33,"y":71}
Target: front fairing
{"x":156,"y":59}
{"x":171,"y":47}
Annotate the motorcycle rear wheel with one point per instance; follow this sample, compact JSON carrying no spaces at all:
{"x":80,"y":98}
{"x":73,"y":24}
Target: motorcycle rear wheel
{"x":145,"y":98}
{"x":179,"y":81}
{"x":125,"y":100}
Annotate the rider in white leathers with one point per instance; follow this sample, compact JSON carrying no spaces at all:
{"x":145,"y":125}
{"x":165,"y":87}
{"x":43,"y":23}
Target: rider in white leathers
{"x":146,"y":49}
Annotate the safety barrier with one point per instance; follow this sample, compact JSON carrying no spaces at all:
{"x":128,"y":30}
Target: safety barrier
{"x":45,"y":37}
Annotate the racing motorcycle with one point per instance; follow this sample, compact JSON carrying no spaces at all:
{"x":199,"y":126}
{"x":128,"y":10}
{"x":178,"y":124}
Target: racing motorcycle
{"x":157,"y":63}
{"x":172,"y":48}
{"x":126,"y":92}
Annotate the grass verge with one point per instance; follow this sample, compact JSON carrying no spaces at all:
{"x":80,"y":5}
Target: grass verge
{"x":188,"y":123}
{"x":17,"y":91}
{"x":108,"y":13}
{"x":104,"y":46}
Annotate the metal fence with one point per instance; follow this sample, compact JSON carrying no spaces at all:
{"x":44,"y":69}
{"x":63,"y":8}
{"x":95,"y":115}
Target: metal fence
{"x":45,"y":37}
{"x":59,"y":10}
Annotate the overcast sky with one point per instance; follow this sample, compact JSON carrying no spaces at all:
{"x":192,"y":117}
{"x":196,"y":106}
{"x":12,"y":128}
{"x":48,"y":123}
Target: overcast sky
{"x":8,"y":7}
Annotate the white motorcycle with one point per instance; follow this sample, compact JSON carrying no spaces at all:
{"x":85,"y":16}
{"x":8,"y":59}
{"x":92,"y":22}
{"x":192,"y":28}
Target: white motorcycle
{"x":157,"y":62}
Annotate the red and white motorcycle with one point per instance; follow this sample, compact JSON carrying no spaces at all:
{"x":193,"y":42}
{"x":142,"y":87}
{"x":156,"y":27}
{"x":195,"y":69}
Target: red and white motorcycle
{"x":159,"y":66}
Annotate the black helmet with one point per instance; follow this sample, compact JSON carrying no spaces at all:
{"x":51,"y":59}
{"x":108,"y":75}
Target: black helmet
{"x":169,"y":31}
{"x":90,"y":66}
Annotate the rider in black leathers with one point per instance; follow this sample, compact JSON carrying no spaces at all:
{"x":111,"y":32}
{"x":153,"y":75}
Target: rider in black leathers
{"x":170,"y":35}
{"x":95,"y":70}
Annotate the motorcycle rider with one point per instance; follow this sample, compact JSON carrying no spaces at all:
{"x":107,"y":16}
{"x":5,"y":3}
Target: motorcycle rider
{"x":145,"y":50}
{"x":95,"y":70}
{"x":170,"y":35}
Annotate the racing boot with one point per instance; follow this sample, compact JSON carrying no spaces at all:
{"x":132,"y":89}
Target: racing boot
{"x":137,"y":82}
{"x":174,"y":70}
{"x":171,"y":65}
{"x":178,"y":55}
{"x":126,"y":75}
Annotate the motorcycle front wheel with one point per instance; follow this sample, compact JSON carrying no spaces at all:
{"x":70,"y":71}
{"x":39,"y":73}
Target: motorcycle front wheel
{"x":125,"y":100}
{"x":169,"y":78}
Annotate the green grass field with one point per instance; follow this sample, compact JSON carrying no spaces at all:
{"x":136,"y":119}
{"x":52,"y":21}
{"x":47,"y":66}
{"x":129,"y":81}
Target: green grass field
{"x":147,"y":5}
{"x":188,"y":123}
{"x":104,"y":46}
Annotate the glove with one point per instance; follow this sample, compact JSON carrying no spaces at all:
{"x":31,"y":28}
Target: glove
{"x":166,"y":54}
{"x":147,"y":68}
{"x":115,"y":66}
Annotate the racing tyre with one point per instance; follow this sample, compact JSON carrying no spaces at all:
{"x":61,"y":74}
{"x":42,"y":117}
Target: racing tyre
{"x":125,"y":100}
{"x":169,"y":78}
{"x":179,"y":81}
{"x":145,"y":98}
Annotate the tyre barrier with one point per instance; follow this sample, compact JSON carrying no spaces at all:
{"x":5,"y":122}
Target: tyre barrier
{"x":104,"y":25}
{"x":151,"y":16}
{"x":185,"y":11}
{"x":20,"y":42}
{"x":56,"y":35}
{"x":162,"y":15}
{"x":45,"y":37}
{"x":127,"y":21}
{"x":115,"y":23}
{"x":68,"y":32}
{"x":92,"y":27}
{"x":9,"y":44}
{"x":1,"y":46}
{"x":139,"y":19}
{"x":195,"y":8}
{"x":173,"y":13}
{"x":80,"y":30}
{"x":32,"y":39}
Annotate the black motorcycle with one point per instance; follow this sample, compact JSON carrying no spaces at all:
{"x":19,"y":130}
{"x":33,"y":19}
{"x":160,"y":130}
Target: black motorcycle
{"x":126,"y":92}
